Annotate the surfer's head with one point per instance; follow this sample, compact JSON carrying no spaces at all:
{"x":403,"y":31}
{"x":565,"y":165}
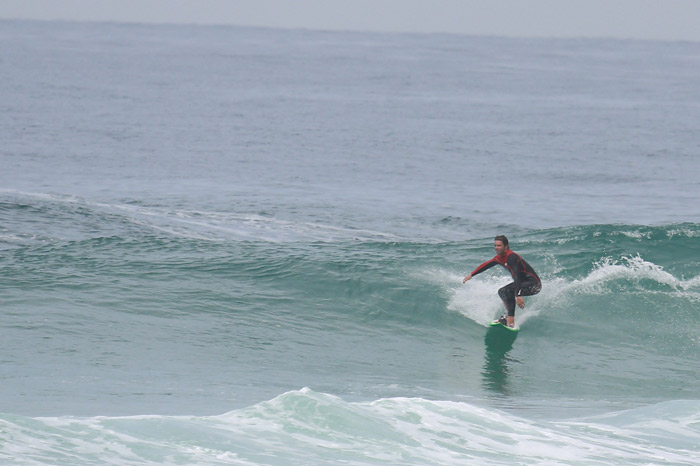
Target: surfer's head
{"x":500,"y":244}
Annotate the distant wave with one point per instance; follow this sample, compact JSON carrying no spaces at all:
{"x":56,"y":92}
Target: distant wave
{"x":70,"y":217}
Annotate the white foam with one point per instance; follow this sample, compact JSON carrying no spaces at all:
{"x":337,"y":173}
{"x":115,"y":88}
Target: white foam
{"x":478,"y":301}
{"x":636,"y":234}
{"x":683,"y":231}
{"x":307,"y":427}
{"x":474,"y":300}
{"x":632,"y":268}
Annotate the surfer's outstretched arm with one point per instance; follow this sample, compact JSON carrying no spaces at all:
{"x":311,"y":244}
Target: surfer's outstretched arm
{"x":485,"y":266}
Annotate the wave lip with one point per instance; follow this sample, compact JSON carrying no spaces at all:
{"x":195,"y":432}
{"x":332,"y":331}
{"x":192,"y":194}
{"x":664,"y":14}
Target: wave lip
{"x":635,"y":269}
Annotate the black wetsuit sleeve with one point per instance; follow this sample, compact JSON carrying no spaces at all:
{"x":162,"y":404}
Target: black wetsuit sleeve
{"x":485,"y":266}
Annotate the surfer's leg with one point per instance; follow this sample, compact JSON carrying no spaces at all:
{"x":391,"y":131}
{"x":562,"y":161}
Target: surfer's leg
{"x":507,"y":294}
{"x":528,"y":288}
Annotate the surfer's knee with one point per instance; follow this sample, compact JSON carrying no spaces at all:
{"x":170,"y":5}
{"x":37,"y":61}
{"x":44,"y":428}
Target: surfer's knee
{"x":506,"y":292}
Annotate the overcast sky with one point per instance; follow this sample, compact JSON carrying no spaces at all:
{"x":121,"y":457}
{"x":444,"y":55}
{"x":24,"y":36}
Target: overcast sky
{"x":642,"y":19}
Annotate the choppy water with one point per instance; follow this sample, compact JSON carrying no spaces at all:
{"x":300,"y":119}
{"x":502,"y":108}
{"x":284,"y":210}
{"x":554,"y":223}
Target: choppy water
{"x":245,"y":246}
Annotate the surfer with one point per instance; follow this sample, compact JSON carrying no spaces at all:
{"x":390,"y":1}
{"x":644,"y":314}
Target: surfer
{"x":525,"y":280}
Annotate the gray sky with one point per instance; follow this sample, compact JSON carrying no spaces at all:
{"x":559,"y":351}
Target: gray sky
{"x":642,"y":19}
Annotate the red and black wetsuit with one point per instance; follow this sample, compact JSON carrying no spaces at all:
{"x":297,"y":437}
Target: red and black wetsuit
{"x":525,"y":280}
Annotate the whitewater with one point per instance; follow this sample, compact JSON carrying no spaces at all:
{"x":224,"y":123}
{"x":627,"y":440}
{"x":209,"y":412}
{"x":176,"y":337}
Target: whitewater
{"x":225,"y":245}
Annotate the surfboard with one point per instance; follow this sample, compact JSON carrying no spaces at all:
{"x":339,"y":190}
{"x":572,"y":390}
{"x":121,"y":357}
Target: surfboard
{"x":499,"y":336}
{"x":497,"y":324}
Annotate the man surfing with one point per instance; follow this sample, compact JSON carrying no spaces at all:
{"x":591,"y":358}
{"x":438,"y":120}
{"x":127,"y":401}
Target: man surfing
{"x":525,"y":280}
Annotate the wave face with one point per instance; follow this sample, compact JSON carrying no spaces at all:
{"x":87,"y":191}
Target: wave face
{"x":145,"y":310}
{"x":616,"y":314}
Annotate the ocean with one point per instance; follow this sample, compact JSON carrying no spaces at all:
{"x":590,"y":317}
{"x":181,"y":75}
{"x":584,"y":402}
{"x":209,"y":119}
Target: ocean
{"x":228,"y":245}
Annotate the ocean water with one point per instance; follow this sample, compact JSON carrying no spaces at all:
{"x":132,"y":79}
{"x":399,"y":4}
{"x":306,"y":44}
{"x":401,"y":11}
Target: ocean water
{"x":226,"y":245}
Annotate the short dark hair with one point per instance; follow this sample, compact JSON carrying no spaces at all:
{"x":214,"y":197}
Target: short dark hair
{"x":503,"y":239}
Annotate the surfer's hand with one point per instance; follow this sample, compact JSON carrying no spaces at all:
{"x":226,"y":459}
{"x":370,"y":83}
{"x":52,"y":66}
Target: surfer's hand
{"x":467,"y":278}
{"x":520,"y":301}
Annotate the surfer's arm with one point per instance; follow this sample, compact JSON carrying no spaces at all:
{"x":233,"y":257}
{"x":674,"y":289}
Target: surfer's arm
{"x":485,"y":266}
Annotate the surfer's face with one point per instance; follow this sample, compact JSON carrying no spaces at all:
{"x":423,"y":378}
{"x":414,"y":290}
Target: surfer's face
{"x":499,"y":247}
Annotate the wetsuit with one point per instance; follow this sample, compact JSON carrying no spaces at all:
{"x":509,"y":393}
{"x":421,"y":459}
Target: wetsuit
{"x":525,"y":280}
